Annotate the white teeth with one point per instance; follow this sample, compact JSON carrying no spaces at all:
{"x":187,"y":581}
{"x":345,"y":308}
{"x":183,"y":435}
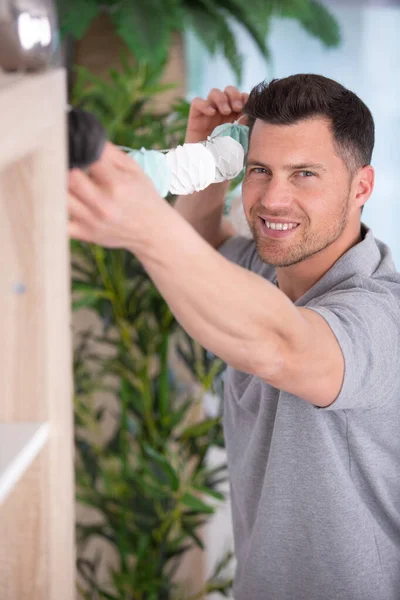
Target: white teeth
{"x":280,"y":226}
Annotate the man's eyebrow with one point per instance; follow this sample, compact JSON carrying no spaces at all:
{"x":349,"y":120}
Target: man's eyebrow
{"x":298,"y":167}
{"x":305,"y":166}
{"x":258,"y":163}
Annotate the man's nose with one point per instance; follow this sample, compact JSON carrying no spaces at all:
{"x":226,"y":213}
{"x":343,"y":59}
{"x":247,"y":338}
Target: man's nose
{"x":277,"y":195}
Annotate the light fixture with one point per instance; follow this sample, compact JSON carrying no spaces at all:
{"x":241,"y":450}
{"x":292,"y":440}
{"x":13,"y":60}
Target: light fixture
{"x":28,"y":34}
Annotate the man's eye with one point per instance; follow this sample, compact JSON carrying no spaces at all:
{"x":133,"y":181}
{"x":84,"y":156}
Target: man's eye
{"x":258,"y":170}
{"x":306,"y":174}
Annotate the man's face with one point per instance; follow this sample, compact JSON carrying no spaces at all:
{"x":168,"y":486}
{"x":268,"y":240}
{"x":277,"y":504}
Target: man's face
{"x":296,"y":191}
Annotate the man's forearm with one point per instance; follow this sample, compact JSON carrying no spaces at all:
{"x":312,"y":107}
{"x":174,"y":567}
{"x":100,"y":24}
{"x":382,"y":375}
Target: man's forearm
{"x":232,"y":312}
{"x":204,"y":211}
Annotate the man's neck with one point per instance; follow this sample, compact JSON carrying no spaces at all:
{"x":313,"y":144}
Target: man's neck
{"x":296,"y":280}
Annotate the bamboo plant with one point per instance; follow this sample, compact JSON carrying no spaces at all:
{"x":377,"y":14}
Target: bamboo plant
{"x":148,"y":482}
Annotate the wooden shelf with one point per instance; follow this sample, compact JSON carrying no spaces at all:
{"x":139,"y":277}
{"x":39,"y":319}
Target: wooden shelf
{"x":20,"y":443}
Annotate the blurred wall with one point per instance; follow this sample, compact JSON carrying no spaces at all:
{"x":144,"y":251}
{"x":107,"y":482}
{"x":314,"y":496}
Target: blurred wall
{"x":367,"y":62}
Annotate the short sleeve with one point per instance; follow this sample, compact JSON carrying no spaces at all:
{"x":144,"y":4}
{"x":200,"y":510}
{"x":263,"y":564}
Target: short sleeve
{"x":366,"y":324}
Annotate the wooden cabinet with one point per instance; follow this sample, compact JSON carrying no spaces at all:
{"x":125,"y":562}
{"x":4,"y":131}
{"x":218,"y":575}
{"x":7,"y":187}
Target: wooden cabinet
{"x":37,"y":559}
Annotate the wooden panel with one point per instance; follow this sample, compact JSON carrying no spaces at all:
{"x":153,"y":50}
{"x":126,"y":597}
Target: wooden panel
{"x":50,"y":187}
{"x":24,"y":547}
{"x":20,"y":443}
{"x":36,"y":362}
{"x":22,"y":365}
{"x":29,"y":105}
{"x":34,"y":274}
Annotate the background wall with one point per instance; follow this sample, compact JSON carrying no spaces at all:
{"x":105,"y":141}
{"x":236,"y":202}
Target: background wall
{"x":368,"y":62}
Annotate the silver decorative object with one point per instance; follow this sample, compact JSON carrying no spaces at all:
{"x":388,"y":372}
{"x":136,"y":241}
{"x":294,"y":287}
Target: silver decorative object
{"x":28,"y":34}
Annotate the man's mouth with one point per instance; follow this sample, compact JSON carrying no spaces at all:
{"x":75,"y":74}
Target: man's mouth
{"x":277,"y":229}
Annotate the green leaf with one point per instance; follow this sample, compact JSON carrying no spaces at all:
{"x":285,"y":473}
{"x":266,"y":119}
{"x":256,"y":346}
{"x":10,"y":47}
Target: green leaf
{"x":76,"y":16}
{"x":87,"y":531}
{"x":169,"y":471}
{"x":90,"y":298}
{"x":200,"y":429}
{"x":254,"y":16}
{"x":78,"y":285}
{"x":314,"y":17}
{"x":175,"y":418}
{"x":321,"y":23}
{"x":214,"y":31}
{"x":143,"y":27}
{"x":195,"y":504}
{"x":209,"y":492}
{"x":164,"y":389}
{"x":191,"y":531}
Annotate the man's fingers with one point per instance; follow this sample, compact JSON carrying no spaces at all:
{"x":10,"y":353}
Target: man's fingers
{"x":117,"y":157}
{"x":104,"y":170}
{"x":203,"y":106}
{"x":235,"y":98}
{"x":111,"y":165}
{"x":81,"y":186}
{"x":221,"y":101}
{"x":78,"y":211}
{"x":77,"y":231}
{"x":226,"y":102}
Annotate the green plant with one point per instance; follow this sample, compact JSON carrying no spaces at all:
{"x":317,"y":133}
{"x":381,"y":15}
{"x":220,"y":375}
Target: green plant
{"x":146,"y":26}
{"x":122,"y":102}
{"x":147,"y":479}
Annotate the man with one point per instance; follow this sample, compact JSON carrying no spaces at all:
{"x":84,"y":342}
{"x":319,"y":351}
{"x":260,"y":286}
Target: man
{"x":307,"y":317}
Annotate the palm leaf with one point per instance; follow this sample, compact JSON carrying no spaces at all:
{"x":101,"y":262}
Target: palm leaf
{"x":320,"y":22}
{"x":76,"y":16}
{"x":214,"y":31}
{"x":254,"y":16}
{"x":144,"y":28}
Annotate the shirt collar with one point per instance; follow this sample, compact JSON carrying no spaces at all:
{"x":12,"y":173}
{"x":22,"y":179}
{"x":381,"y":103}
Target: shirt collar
{"x":362,"y":259}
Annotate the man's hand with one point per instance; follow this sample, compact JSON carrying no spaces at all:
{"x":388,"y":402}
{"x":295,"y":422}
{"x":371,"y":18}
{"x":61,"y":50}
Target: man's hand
{"x":218,"y":108}
{"x":114,"y":203}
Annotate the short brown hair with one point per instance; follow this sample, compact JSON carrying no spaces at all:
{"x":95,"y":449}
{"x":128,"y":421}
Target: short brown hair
{"x":304,"y":96}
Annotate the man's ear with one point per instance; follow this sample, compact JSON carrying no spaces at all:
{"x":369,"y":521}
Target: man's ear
{"x":364,"y":185}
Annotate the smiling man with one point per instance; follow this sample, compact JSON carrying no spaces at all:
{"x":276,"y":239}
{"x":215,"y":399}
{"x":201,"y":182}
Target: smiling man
{"x":305,"y":314}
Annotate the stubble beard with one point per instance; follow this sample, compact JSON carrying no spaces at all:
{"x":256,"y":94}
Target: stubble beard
{"x":279,"y":253}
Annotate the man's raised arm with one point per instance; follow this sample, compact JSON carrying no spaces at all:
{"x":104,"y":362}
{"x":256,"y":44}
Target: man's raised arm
{"x":204,"y":210}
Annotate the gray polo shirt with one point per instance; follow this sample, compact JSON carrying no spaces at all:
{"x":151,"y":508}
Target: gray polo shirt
{"x":316,"y":492}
